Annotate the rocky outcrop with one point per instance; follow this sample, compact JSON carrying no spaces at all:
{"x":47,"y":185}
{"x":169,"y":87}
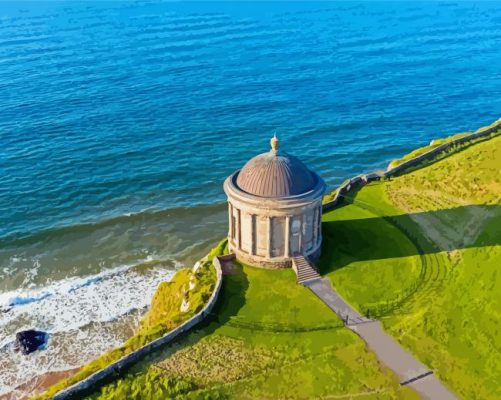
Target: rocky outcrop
{"x":31,"y":340}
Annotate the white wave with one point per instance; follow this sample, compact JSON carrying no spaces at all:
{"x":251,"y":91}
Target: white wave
{"x":74,"y":311}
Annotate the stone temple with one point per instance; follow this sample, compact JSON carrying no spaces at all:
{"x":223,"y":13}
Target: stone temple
{"x":275,"y":210}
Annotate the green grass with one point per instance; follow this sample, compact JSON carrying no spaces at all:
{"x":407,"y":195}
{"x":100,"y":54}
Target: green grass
{"x":269,"y":338}
{"x":359,"y":243}
{"x":435,"y":231}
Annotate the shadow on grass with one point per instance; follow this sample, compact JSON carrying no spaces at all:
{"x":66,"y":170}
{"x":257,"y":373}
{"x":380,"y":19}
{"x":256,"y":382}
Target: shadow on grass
{"x":230,"y":300}
{"x":391,"y":236}
{"x":232,"y":296}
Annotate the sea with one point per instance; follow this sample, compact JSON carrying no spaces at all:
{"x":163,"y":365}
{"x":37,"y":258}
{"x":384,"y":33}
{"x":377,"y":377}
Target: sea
{"x":119,"y":122}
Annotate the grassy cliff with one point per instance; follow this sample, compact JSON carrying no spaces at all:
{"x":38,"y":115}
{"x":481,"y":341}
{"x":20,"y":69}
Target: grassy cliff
{"x":454,"y":148}
{"x":174,"y":302}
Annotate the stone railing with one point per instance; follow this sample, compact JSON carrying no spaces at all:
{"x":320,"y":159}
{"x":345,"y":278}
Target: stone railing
{"x":479,"y":133}
{"x":227,"y":257}
{"x":361,"y":180}
{"x":354,"y":183}
{"x":90,"y":383}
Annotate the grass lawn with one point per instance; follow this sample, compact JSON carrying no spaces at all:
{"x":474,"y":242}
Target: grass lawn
{"x":268,"y":338}
{"x":369,"y":260}
{"x":423,"y":250}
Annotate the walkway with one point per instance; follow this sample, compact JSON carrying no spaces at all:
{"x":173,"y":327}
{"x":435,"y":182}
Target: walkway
{"x":410,"y":371}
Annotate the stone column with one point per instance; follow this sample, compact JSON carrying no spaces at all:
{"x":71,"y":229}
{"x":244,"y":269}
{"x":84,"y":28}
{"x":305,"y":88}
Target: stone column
{"x":269,"y":236}
{"x":239,"y":221}
{"x":253,"y":234}
{"x":301,"y":234}
{"x":230,"y":221}
{"x":315,"y":226}
{"x":319,"y":235}
{"x":287,"y":251}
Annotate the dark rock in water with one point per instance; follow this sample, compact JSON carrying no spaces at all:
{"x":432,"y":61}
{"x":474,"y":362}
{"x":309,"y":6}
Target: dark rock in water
{"x":30,"y":340}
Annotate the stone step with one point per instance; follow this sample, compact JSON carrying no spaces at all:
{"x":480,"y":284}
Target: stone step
{"x":307,"y":273}
{"x":304,"y":265}
{"x":301,"y":267}
{"x":310,"y":278}
{"x":304,"y":269}
{"x":307,"y":276}
{"x":307,"y":270}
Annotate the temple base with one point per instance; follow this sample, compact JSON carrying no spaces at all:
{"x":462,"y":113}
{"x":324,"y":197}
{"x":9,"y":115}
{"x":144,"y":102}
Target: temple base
{"x":272,"y":263}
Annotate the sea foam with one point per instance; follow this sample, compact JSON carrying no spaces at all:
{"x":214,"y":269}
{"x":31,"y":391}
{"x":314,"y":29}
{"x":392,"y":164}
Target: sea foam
{"x":81,"y":314}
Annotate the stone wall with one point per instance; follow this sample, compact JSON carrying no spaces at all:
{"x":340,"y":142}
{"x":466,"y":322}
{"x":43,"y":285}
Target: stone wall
{"x":91,"y":382}
{"x":269,"y":237}
{"x":479,"y":133}
{"x":354,"y":183}
{"x":361,"y":180}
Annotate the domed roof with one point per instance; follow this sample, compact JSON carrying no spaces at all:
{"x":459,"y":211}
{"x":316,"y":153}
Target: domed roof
{"x":275,"y":175}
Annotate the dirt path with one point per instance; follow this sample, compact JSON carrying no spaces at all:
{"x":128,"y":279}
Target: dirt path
{"x":410,"y":371}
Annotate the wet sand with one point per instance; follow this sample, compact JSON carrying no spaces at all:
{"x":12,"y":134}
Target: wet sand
{"x":37,"y":385}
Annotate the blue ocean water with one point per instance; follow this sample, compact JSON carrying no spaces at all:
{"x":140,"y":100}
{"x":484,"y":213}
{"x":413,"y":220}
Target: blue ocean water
{"x":119,"y":121}
{"x":115,"y":108}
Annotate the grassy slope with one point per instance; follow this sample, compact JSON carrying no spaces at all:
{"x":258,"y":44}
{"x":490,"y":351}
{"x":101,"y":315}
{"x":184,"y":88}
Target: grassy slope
{"x":164,"y":314}
{"x":270,"y":338}
{"x":450,"y":315}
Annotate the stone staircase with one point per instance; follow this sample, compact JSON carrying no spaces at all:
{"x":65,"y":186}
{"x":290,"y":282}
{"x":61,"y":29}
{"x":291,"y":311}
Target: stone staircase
{"x":304,"y":269}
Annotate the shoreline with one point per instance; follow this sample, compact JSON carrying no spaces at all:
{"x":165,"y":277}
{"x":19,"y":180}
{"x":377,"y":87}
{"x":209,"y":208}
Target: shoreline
{"x":104,"y":326}
{"x":37,"y":385}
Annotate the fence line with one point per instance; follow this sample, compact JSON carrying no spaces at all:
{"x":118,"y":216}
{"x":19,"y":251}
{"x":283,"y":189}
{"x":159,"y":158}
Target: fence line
{"x":361,"y":180}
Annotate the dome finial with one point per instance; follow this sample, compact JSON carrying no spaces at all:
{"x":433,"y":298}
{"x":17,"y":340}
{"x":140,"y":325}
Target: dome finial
{"x":274,"y":143}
